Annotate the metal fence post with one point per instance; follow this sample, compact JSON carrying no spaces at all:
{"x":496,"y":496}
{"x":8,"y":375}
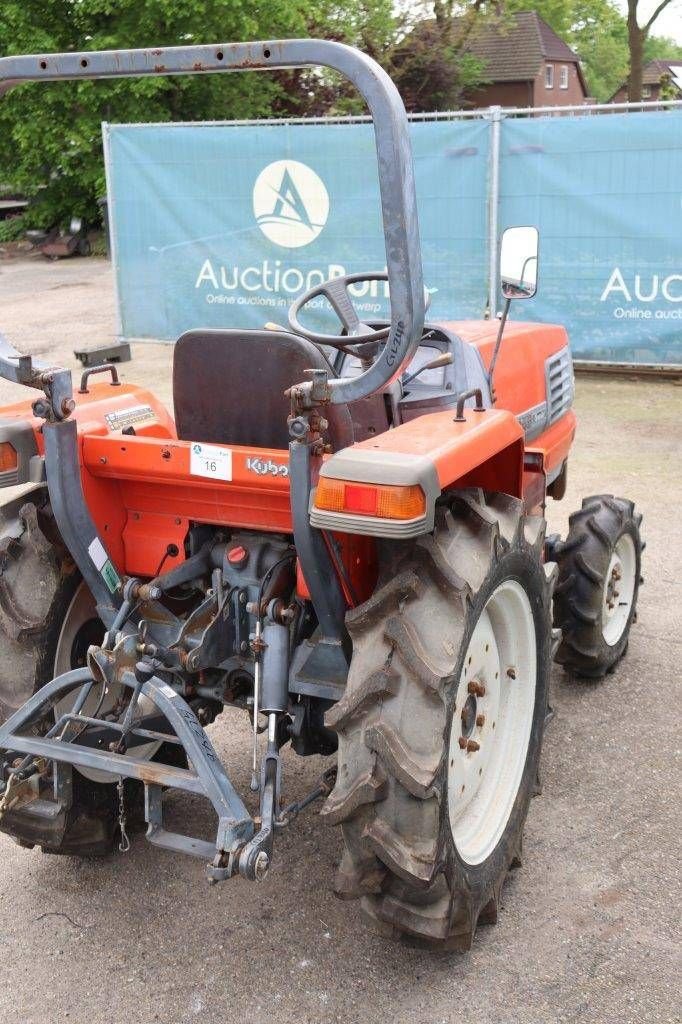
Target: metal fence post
{"x":111,"y":214}
{"x":494,"y":115}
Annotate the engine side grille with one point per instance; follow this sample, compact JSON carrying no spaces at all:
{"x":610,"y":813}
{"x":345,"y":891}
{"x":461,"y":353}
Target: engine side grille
{"x":560,"y":384}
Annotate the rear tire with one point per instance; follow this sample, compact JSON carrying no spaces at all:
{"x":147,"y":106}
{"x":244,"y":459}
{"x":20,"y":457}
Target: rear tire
{"x":38,"y":585}
{"x":38,"y":581}
{"x":595,"y":600}
{"x":413,"y":851}
{"x":47,"y":623}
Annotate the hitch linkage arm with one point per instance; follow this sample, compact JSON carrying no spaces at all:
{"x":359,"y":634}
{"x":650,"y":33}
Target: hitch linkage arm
{"x":55,"y":381}
{"x":208,"y":779}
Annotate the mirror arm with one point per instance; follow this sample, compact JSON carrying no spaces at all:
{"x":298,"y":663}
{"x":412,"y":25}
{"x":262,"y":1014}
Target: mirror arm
{"x":528,"y":259}
{"x":496,"y":350}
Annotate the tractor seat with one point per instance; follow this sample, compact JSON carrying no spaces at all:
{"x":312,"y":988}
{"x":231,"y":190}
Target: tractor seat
{"x":228,"y":388}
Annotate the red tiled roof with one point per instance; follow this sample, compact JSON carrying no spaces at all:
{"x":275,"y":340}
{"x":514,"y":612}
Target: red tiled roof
{"x":653,"y":72}
{"x":514,"y":50}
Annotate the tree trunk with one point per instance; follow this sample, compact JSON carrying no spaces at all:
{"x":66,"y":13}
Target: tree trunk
{"x":636,"y":37}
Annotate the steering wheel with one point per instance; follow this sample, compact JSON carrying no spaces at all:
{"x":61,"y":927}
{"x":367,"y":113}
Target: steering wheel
{"x":336,"y":292}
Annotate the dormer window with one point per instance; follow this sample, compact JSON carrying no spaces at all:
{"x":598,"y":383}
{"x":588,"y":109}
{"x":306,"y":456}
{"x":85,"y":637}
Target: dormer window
{"x":549,"y":76}
{"x":563,"y":77}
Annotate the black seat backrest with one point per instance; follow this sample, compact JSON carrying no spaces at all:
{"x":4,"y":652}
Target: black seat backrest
{"x":228,"y":387}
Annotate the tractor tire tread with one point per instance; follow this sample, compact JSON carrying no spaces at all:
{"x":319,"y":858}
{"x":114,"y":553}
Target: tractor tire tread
{"x":583,"y":559}
{"x":392,"y":724}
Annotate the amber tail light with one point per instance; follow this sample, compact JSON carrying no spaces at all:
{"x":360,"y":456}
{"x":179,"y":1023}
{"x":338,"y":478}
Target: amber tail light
{"x":383,"y":501}
{"x":8,"y":457}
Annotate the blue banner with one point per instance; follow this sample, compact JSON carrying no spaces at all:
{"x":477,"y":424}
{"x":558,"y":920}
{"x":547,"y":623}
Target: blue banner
{"x":606,"y":194}
{"x":220,"y":225}
{"x":223,"y":226}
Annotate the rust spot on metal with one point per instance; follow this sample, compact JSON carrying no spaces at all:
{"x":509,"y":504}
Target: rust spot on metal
{"x":159,"y":68}
{"x":472,"y":746}
{"x":156,"y":53}
{"x":478,"y":689}
{"x":154,"y":774}
{"x":198,"y":66}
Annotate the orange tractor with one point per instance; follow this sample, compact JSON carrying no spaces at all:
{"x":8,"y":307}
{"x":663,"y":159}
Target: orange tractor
{"x":343,"y":535}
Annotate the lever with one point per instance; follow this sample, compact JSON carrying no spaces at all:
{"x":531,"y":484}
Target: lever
{"x":444,"y":359}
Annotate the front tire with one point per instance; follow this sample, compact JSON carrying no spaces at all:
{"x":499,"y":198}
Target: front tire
{"x":447,"y":689}
{"x":595,"y":601}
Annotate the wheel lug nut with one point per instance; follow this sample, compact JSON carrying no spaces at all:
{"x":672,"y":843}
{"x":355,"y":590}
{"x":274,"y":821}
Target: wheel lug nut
{"x":478,"y":689}
{"x":472,"y":746}
{"x":462,"y":743}
{"x":480,"y":721}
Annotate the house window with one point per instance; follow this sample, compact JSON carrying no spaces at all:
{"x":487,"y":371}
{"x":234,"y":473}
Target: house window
{"x":549,"y":76}
{"x":563,"y":77}
{"x":646,"y":92}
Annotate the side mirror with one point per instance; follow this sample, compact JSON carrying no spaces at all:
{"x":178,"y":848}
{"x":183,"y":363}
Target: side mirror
{"x":519,"y":263}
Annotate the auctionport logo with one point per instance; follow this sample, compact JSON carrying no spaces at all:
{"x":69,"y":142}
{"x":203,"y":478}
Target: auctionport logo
{"x":290,"y":203}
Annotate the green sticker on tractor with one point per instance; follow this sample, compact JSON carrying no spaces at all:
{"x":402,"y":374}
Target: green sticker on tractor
{"x":110,"y":576}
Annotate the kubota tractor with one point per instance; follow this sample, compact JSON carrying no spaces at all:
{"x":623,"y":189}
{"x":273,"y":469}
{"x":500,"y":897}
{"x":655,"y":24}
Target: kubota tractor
{"x":343,"y":535}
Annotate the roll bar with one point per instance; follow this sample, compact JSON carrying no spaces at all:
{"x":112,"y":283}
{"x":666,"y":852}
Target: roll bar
{"x":394,"y":156}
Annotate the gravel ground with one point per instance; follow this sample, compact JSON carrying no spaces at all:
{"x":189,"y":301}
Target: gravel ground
{"x":589,"y":930}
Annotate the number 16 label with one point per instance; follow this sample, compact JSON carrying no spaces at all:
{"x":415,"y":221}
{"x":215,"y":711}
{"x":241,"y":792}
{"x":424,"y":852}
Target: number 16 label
{"x":211,"y":461}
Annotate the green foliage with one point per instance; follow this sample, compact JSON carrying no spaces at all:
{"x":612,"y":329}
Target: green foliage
{"x":430,"y":62}
{"x":13,"y":228}
{"x":50,"y":134}
{"x":661,"y":48}
{"x":600,"y":38}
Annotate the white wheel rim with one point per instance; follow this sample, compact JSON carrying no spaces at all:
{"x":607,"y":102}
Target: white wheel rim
{"x":619,"y":590}
{"x":81,"y":610}
{"x":483,"y":783}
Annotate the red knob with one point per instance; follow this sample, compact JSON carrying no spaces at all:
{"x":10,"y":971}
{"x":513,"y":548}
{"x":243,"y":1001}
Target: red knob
{"x":237,"y":556}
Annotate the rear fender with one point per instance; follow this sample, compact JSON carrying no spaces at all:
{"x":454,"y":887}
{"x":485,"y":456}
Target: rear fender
{"x":104,"y":409}
{"x":435,"y":453}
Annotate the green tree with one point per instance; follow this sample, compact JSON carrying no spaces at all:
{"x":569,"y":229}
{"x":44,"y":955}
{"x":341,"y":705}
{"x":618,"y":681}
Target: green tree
{"x":662,"y":48}
{"x":430,"y":61}
{"x":50,"y":137}
{"x":637,"y":38}
{"x":599,"y":36}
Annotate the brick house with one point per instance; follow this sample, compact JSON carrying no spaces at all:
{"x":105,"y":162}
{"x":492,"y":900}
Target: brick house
{"x":661,"y":79}
{"x":526,"y":64}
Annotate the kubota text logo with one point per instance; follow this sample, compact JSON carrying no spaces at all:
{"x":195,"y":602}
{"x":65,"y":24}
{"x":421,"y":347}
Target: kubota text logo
{"x":290,"y":203}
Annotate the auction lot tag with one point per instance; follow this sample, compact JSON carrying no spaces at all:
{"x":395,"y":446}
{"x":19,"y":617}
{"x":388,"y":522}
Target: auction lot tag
{"x":98,"y":554}
{"x":211,"y":461}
